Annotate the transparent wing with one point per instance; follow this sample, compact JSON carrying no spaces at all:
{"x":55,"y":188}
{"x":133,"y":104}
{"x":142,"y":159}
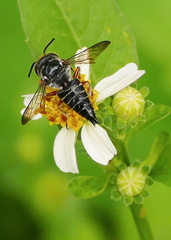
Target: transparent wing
{"x":37,"y":101}
{"x":89,"y":54}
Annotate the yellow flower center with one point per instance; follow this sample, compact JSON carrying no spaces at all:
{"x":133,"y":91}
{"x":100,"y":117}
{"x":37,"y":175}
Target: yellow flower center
{"x":57,"y":112}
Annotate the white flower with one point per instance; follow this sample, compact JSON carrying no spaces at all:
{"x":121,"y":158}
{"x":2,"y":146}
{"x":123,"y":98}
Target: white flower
{"x":94,"y":138}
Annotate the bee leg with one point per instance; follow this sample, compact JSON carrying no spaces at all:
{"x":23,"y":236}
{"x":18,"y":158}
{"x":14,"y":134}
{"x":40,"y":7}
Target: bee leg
{"x":63,"y":112}
{"x":89,"y":88}
{"x":77,"y":73}
{"x":67,"y":126}
{"x":50,"y":94}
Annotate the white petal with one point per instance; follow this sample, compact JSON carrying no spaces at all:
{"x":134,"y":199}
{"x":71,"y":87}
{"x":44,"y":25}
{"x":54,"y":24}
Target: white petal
{"x":84,"y":68}
{"x":119,"y":80}
{"x":64,"y":150}
{"x":37,"y":116}
{"x":97,"y":143}
{"x":27,"y":98}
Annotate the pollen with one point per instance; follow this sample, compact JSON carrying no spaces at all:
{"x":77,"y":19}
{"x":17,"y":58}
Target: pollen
{"x":57,"y":112}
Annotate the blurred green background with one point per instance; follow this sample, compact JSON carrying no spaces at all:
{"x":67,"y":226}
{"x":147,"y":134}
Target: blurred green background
{"x":34,"y":201}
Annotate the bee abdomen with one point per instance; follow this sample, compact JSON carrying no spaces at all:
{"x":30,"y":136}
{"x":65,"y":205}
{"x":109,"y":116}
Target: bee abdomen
{"x":75,"y":96}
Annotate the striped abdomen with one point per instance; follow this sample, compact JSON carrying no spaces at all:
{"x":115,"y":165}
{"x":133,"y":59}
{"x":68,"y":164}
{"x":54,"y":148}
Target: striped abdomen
{"x":74,"y":95}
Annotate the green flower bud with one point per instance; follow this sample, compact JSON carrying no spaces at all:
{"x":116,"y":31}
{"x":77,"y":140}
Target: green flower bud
{"x":128,"y":103}
{"x":130,"y":181}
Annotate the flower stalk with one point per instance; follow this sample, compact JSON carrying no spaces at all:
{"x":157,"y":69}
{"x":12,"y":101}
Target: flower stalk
{"x":137,"y":210}
{"x":139,"y":215}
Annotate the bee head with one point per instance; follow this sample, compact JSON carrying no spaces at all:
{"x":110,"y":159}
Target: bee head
{"x":44,"y":62}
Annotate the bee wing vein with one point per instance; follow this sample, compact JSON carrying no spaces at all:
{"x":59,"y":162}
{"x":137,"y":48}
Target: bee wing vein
{"x":89,"y":54}
{"x":36,"y":102}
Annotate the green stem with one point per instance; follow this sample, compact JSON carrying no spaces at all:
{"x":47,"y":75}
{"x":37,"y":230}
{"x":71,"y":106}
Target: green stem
{"x":137,"y":210}
{"x":122,"y":151}
{"x":138,"y":213}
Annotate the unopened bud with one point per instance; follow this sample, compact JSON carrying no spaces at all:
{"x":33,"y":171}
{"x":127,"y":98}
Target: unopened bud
{"x":131,"y":181}
{"x":128,"y":103}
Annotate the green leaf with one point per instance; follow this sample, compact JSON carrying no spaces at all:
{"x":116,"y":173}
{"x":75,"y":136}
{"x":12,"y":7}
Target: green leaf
{"x":76,"y":24}
{"x":161,"y":155}
{"x":88,"y":186}
{"x":153,"y":115}
{"x":160,"y":143}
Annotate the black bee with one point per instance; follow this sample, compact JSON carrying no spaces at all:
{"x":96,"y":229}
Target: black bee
{"x":57,"y":73}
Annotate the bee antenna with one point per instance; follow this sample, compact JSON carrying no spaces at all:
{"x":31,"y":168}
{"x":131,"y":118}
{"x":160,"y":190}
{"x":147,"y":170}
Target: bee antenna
{"x":31,"y":68}
{"x":44,"y":51}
